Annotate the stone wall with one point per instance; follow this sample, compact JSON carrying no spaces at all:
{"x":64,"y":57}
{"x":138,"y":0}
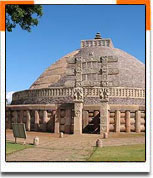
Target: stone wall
{"x":60,"y":118}
{"x":127,"y":121}
{"x":43,"y":118}
{"x":35,"y":117}
{"x":120,"y":118}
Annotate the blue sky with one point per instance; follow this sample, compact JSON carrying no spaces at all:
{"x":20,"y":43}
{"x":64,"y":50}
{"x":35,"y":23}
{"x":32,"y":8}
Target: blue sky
{"x":60,"y":31}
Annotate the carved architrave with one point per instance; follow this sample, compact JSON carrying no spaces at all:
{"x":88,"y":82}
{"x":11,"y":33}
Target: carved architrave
{"x":103,"y":59}
{"x":104,"y":77}
{"x":91,"y":59}
{"x":71,"y":60}
{"x":78,"y":59}
{"x":78,"y":77}
{"x":104,"y":71}
{"x":78,"y":67}
{"x":113,"y":71}
{"x":90,"y":83}
{"x":78,"y":94}
{"x":104,"y":94}
{"x":112,"y":59}
{"x":89,"y":70}
{"x":70,"y":72}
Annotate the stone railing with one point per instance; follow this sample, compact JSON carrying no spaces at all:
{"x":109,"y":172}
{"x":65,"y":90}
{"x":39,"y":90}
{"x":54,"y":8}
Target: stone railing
{"x":120,"y":92}
{"x":93,"y":43}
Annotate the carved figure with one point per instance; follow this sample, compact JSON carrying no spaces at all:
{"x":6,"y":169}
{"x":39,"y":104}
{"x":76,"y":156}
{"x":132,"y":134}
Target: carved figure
{"x":77,"y":113}
{"x":78,"y":94}
{"x":104,"y":93}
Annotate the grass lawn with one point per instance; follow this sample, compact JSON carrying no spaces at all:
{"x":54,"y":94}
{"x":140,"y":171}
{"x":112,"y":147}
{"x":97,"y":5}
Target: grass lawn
{"x":119,"y":153}
{"x":12,"y":147}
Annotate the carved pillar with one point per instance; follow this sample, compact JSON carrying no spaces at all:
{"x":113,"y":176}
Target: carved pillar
{"x":117,"y":121}
{"x":9,"y":120}
{"x":104,"y":124}
{"x":56,"y":116}
{"x":36,"y":126}
{"x":78,"y":70}
{"x":45,"y":117}
{"x":78,"y":118}
{"x":15,"y":116}
{"x":127,"y":121}
{"x":28,"y":120}
{"x":137,"y":126}
{"x":68,"y":120}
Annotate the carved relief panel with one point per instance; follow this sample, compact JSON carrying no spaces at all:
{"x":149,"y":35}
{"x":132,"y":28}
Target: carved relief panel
{"x":93,"y":71}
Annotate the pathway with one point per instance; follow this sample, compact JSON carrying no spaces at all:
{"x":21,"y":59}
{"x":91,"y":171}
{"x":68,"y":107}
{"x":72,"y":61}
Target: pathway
{"x":69,"y":148}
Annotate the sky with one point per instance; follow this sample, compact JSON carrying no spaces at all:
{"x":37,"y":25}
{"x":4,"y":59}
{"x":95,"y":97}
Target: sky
{"x":60,"y":30}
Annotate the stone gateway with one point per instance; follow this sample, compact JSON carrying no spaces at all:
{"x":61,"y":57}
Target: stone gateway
{"x":96,"y":89}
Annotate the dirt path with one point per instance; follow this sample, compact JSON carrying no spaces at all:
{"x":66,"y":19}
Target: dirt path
{"x":69,"y":148}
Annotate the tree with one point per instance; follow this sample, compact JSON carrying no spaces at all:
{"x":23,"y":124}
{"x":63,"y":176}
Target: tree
{"x":6,"y":101}
{"x":24,"y":15}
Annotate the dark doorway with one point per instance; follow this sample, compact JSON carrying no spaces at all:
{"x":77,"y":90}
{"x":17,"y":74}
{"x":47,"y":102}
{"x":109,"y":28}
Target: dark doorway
{"x":91,"y":122}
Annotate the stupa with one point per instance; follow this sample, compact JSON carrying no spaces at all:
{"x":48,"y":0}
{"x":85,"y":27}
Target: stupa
{"x":95,"y":89}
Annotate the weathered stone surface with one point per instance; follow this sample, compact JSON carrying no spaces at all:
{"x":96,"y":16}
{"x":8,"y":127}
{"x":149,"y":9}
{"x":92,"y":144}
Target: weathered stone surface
{"x":78,"y":118}
{"x":28,"y":121}
{"x":61,"y":135}
{"x":127,"y":120}
{"x":97,"y":75}
{"x":117,"y":121}
{"x":57,"y":118}
{"x":131,"y":71}
{"x":36,"y":121}
{"x":99,"y":143}
{"x":69,"y":83}
{"x":53,"y":74}
{"x":36,"y":141}
{"x":104,"y":124}
{"x":138,"y":122}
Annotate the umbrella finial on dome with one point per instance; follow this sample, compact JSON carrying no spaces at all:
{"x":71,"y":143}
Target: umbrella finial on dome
{"x":98,"y":36}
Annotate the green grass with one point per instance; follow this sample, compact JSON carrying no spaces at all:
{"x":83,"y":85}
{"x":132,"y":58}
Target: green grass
{"x":12,"y":147}
{"x":119,"y":153}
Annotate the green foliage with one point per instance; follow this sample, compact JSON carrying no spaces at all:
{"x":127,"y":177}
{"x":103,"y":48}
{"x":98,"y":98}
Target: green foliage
{"x":24,"y":15}
{"x":12,"y":147}
{"x":119,"y":153}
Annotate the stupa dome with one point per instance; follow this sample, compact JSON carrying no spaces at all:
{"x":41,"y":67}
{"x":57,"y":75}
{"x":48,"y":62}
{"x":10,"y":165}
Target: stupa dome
{"x":131,"y":70}
{"x":96,"y":64}
{"x":95,"y":89}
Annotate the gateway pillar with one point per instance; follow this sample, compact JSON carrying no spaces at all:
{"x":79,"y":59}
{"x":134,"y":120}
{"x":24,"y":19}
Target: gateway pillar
{"x":104,"y":123}
{"x":78,"y":118}
{"x":104,"y":111}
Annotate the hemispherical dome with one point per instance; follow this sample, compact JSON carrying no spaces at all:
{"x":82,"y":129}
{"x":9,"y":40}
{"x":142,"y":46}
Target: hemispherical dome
{"x":131,"y":72}
{"x":96,"y":67}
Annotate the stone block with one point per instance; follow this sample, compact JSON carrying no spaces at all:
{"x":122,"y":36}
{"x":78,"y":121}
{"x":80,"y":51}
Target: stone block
{"x":36,"y":141}
{"x":99,"y":143}
{"x":61,"y":135}
{"x":105,"y":135}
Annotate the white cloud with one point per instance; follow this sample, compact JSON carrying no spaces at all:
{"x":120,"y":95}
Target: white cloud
{"x":9,"y":96}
